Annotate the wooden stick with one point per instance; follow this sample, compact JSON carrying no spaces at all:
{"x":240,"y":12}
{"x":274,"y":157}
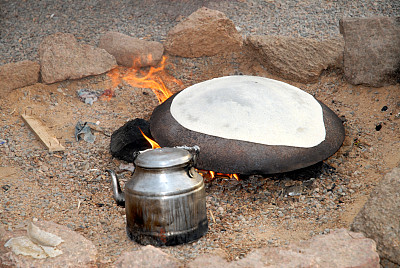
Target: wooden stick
{"x":212,"y":216}
{"x":37,"y":126}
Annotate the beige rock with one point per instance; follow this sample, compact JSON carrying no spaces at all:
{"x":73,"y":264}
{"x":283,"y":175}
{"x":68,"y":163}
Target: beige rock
{"x":379,"y":219}
{"x":295,"y":58}
{"x":62,"y":58}
{"x":217,"y":258}
{"x":17,"y":75}
{"x":210,"y":261}
{"x":130,"y":51}
{"x":340,"y":248}
{"x":147,"y":256}
{"x":277,"y":257}
{"x":205,"y":32}
{"x":372,"y":50}
{"x":76,"y":250}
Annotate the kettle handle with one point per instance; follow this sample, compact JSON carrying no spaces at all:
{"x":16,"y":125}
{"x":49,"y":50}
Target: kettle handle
{"x":119,"y":196}
{"x":194,"y":150}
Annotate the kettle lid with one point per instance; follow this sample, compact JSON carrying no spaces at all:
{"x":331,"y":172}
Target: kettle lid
{"x":163,"y":158}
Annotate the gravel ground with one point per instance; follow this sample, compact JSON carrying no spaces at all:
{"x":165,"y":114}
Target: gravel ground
{"x":72,"y":189}
{"x":24,"y":24}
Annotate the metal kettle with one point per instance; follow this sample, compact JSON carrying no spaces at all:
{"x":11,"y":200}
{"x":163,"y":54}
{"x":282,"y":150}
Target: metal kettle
{"x":165,"y":198}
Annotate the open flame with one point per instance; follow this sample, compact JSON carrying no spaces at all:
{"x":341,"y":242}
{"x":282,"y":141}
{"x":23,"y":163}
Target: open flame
{"x":232,"y":176}
{"x":152,"y":79}
{"x":154,"y":144}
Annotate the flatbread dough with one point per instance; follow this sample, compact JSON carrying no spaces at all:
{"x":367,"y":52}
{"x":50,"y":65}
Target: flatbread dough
{"x":253,"y":109}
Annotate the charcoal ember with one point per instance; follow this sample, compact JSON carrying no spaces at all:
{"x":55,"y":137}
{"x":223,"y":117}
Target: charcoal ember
{"x":128,"y":139}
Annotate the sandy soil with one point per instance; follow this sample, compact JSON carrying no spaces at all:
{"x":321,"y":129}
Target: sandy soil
{"x":71,"y":187}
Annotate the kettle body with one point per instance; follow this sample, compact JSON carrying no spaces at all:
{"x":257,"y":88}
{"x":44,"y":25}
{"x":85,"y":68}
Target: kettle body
{"x":165,"y":200}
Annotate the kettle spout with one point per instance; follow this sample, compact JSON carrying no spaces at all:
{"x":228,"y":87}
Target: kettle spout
{"x":119,"y":196}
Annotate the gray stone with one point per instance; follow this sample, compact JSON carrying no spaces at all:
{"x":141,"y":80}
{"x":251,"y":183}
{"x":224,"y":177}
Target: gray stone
{"x":211,"y":261}
{"x":379,"y":218}
{"x":372,"y":50}
{"x":205,"y":32}
{"x":340,"y":248}
{"x":295,"y":58}
{"x":17,"y":75}
{"x":130,"y":51}
{"x":62,"y":58}
{"x":77,"y":250}
{"x":147,"y":256}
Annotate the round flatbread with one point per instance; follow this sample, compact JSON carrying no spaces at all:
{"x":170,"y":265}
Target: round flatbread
{"x":253,"y":109}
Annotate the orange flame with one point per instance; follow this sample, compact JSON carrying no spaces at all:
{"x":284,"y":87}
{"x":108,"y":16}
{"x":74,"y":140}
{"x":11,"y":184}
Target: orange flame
{"x":231,"y":176}
{"x":114,"y":74}
{"x":153,"y":144}
{"x":212,"y":174}
{"x":152,"y":79}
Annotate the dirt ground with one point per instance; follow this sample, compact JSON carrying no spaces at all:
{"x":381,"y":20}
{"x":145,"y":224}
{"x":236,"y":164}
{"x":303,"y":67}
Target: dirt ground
{"x":71,"y":187}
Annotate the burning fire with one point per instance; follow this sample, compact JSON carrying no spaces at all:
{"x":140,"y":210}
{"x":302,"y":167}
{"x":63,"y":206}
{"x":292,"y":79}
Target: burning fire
{"x":154,"y":144}
{"x":213,"y":174}
{"x":152,"y":79}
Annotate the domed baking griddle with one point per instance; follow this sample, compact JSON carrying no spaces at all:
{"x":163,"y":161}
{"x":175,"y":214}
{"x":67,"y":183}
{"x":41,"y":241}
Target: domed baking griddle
{"x":239,"y":155}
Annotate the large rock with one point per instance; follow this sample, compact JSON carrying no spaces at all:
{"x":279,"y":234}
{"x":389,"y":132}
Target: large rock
{"x":19,"y":74}
{"x":130,"y":51}
{"x":62,"y":57}
{"x":77,"y":251}
{"x":211,"y":260}
{"x":372,"y":50}
{"x":147,"y":256}
{"x":295,"y":58}
{"x":379,"y":219}
{"x":341,"y":248}
{"x":205,"y":32}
